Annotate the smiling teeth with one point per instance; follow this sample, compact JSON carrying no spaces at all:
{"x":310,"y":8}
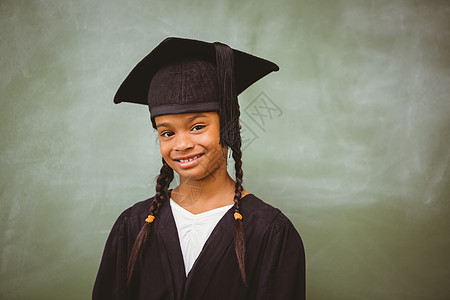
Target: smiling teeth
{"x":190,"y":159}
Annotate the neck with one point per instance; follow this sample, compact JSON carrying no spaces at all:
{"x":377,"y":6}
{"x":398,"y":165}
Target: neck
{"x":215,"y":190}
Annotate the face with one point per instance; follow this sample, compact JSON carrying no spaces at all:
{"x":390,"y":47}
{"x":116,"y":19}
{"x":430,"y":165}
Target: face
{"x":189,"y":143}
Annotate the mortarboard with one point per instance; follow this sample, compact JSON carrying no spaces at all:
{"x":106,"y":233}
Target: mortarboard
{"x":184,"y":75}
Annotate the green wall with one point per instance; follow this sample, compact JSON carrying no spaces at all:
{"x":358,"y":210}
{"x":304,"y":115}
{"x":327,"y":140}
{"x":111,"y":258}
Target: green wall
{"x":356,"y":152}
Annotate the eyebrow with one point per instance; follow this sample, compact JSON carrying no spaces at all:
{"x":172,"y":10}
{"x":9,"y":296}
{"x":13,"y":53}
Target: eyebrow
{"x":188,"y":120}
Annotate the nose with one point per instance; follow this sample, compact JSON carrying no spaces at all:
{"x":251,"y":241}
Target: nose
{"x":183,"y":142}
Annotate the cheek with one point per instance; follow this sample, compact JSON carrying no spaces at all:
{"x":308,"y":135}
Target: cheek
{"x":211,"y":138}
{"x":164,"y":148}
{"x":215,"y":150}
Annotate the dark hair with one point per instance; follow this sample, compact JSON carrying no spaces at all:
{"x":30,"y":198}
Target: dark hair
{"x":239,"y":235}
{"x":162,"y":187}
{"x":162,"y":194}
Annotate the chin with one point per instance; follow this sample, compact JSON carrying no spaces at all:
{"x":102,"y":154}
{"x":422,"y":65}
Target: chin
{"x":196,"y":174}
{"x":193,"y":176}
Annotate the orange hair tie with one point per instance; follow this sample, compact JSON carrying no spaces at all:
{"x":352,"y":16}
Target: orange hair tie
{"x":150,"y":219}
{"x":237,"y":216}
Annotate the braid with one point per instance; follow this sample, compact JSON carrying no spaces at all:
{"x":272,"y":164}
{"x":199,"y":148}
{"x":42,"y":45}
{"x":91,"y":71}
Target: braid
{"x":239,"y":235}
{"x":162,"y":188}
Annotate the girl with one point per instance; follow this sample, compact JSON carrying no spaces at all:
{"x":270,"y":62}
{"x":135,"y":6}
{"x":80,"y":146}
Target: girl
{"x":208,"y":238}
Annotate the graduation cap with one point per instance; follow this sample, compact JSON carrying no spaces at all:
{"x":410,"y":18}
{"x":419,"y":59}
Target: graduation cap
{"x":184,"y":75}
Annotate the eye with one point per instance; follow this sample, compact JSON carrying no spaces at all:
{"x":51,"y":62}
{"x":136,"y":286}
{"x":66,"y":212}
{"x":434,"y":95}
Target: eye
{"x":198,"y":127}
{"x":167,"y":133}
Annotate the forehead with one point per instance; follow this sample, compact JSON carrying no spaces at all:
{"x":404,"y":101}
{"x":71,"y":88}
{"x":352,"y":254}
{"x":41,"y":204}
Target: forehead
{"x":175,"y":119}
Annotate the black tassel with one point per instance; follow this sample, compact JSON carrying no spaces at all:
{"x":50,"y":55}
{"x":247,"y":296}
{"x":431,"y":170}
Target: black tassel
{"x":228,"y":101}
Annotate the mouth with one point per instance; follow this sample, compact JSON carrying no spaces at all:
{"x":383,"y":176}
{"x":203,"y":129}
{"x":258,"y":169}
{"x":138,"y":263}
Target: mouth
{"x":188,"y":161}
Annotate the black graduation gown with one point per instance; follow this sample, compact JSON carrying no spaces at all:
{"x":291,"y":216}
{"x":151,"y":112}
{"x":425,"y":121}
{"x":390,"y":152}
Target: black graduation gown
{"x":275,"y":259}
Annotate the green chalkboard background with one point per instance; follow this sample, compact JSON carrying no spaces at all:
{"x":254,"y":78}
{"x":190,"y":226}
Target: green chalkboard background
{"x":356,"y":151}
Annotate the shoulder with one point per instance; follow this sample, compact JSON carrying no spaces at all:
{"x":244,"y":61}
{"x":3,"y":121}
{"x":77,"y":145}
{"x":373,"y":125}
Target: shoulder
{"x":135,"y":215}
{"x":259,"y":213}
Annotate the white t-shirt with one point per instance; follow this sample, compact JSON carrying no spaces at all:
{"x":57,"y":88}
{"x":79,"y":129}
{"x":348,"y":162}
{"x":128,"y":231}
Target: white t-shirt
{"x":194,"y":230}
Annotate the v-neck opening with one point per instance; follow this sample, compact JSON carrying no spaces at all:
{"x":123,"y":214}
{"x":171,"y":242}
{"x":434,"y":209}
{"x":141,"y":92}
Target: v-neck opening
{"x":194,"y":230}
{"x":202,"y":272}
{"x":223,"y":240}
{"x":221,"y":223}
